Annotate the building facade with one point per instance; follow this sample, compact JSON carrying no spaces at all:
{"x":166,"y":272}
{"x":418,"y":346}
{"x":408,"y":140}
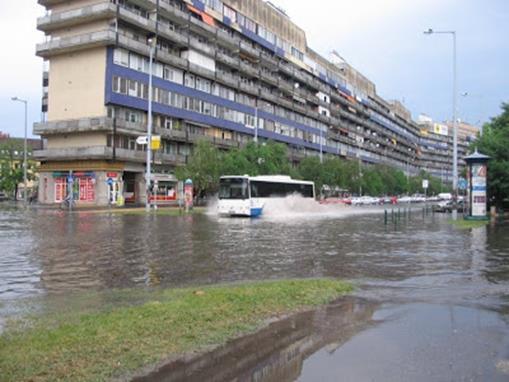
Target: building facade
{"x":224,"y":70}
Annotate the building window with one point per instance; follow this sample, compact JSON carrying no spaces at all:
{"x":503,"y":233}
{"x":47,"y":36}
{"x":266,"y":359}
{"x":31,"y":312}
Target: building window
{"x":230,"y":13}
{"x":121,"y":57}
{"x":189,"y":80}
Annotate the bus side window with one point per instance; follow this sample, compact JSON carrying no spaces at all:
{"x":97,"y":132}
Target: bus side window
{"x":254,"y":190}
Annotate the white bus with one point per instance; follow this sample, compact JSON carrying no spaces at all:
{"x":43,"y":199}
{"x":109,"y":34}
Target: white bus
{"x":246,"y":196}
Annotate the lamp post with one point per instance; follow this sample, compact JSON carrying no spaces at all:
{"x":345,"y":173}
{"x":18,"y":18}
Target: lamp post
{"x":25,"y":149}
{"x":454,"y":111}
{"x":256,"y":123}
{"x":148,"y":176}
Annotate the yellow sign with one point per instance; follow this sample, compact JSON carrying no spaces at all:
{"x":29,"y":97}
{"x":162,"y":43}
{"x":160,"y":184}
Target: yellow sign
{"x":440,"y":129}
{"x":156,"y":142}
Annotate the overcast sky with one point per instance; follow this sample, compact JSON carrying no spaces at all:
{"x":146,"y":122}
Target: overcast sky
{"x":381,"y":38}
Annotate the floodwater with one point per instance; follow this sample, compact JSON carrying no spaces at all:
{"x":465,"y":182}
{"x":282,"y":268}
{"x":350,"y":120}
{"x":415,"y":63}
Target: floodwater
{"x":432,"y":301}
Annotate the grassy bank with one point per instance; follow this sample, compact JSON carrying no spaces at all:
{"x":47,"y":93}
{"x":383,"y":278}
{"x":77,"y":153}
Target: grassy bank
{"x":99,"y":346}
{"x":468,"y":224}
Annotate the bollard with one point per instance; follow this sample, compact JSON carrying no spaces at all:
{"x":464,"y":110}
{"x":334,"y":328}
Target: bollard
{"x":385,"y":217}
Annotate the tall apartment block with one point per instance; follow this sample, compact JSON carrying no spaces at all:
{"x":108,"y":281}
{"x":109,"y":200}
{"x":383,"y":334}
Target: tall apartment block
{"x":221,"y":69}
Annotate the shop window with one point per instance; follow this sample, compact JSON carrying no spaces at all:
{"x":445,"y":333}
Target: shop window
{"x":60,"y":189}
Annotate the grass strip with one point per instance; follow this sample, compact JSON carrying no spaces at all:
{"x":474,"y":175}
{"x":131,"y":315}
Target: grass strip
{"x":99,"y":346}
{"x":469,"y":224}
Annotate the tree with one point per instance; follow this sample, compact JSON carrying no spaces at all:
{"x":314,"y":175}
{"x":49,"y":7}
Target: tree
{"x":11,"y":167}
{"x":495,"y":142}
{"x":204,"y":168}
{"x":310,"y":169}
{"x":266,"y":159}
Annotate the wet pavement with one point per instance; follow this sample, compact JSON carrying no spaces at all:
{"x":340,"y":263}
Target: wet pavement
{"x":432,"y":302}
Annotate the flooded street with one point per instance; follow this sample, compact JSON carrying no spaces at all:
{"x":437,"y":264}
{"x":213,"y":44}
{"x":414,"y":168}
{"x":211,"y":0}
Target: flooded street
{"x":432,"y":301}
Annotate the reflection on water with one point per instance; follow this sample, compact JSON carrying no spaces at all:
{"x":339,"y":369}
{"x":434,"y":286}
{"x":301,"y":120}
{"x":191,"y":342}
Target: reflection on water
{"x":275,"y":353}
{"x":419,"y":342}
{"x":53,"y":253}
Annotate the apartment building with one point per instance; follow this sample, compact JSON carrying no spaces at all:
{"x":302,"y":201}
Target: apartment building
{"x":222,"y":69}
{"x":436,"y":146}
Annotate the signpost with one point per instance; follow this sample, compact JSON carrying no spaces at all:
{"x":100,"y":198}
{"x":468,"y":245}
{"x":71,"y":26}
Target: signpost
{"x":462,"y":184}
{"x":425,"y":185}
{"x":155,"y":144}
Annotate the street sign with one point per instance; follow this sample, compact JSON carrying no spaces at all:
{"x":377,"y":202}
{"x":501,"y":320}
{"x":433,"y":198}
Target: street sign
{"x":156,"y":142}
{"x":109,"y":181}
{"x":462,"y":184}
{"x":143,"y":140}
{"x":425,"y":184}
{"x":70,"y":179}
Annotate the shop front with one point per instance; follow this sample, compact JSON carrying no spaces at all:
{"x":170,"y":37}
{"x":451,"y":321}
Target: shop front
{"x":93,"y":186}
{"x":164,"y":190}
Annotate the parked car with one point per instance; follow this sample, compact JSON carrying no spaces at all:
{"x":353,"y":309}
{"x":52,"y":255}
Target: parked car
{"x":448,"y":205}
{"x":3,"y":197}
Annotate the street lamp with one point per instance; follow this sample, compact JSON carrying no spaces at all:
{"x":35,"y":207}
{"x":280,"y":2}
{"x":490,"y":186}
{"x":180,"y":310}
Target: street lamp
{"x":148,"y":176}
{"x":25,"y":148}
{"x":454,"y":111}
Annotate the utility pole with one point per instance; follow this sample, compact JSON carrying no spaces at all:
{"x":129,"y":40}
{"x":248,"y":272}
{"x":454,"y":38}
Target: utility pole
{"x":148,"y":176}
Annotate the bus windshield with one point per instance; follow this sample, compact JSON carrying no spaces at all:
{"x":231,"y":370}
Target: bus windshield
{"x":233,"y":188}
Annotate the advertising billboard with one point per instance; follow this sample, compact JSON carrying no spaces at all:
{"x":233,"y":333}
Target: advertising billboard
{"x":479,"y":196}
{"x":440,"y":129}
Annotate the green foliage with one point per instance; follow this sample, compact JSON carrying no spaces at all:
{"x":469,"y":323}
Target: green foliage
{"x":204,"y":168}
{"x":11,"y":166}
{"x":208,"y":163}
{"x":310,"y":169}
{"x":495,"y":143}
{"x":104,"y":345}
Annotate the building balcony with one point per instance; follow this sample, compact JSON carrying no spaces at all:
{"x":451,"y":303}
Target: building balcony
{"x":227,"y":79}
{"x":249,"y":69}
{"x":270,"y":78}
{"x":75,"y":43}
{"x":171,"y":59}
{"x":251,"y":89}
{"x":73,"y":153}
{"x":269,"y":97}
{"x":201,"y":71}
{"x":74,"y":126}
{"x":172,"y":35}
{"x":106,"y":153}
{"x":57,"y":20}
{"x":249,"y":49}
{"x":226,"y":59}
{"x":135,"y":19}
